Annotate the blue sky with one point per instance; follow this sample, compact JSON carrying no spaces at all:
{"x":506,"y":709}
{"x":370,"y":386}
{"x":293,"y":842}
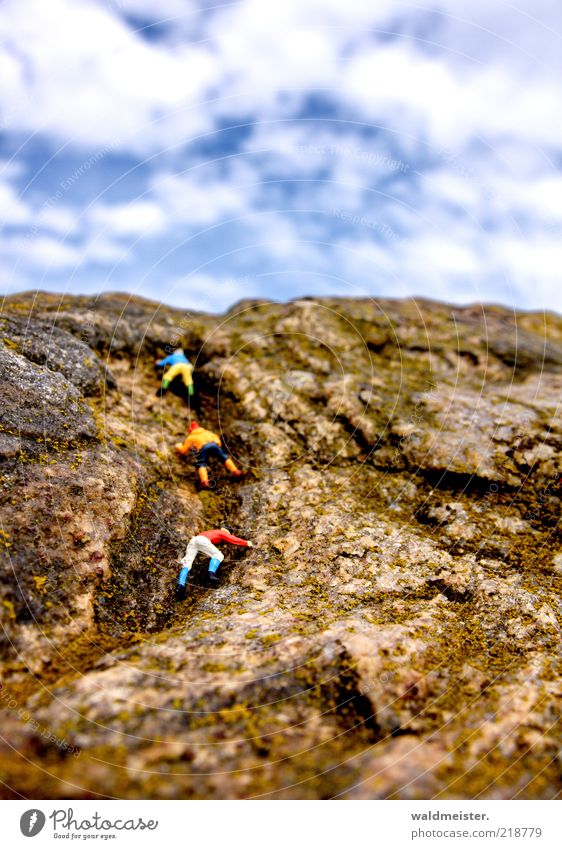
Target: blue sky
{"x":197,"y":153}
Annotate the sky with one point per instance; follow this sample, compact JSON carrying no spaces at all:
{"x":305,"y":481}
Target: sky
{"x":198,"y":153}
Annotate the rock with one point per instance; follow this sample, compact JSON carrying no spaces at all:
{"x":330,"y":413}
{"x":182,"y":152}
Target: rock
{"x":524,"y":351}
{"x":393,"y":633}
{"x":45,"y":344}
{"x":40,"y":404}
{"x":471,"y":433}
{"x":557,"y":563}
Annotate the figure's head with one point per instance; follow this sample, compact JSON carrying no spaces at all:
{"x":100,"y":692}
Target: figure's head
{"x":193,"y":426}
{"x":179,"y":351}
{"x":224,"y":528}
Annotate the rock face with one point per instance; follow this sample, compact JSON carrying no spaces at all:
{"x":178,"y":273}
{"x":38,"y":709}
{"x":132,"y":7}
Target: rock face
{"x":394,"y":633}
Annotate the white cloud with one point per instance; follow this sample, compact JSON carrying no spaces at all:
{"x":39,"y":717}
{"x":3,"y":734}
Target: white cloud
{"x":10,"y":168}
{"x":205,"y":198}
{"x":445,"y":186}
{"x":12,"y":209}
{"x":61,"y":219}
{"x":210,"y":293}
{"x":138,"y":218}
{"x":461,"y":267}
{"x":102,"y":250}
{"x":533,"y":268}
{"x":77,"y":71}
{"x":270,"y":47}
{"x":45,"y":253}
{"x":448,"y":104}
{"x":538,"y":198}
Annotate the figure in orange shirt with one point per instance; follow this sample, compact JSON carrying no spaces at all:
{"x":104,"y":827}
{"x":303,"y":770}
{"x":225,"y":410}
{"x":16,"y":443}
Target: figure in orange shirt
{"x":206,"y":444}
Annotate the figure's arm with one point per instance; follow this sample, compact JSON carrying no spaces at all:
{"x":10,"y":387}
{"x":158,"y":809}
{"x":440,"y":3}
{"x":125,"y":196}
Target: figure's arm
{"x":183,"y":447}
{"x":164,"y":362}
{"x":226,"y":537}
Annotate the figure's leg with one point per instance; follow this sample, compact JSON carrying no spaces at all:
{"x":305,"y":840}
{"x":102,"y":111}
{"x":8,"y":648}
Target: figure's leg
{"x":207,"y":548}
{"x":184,"y":575}
{"x":214,"y":564}
{"x":201,"y":463}
{"x":193,"y":400}
{"x":215,"y":556}
{"x":233,"y":468}
{"x":187,"y":561}
{"x":212,"y":571}
{"x":187,"y":387}
{"x":228,"y":462}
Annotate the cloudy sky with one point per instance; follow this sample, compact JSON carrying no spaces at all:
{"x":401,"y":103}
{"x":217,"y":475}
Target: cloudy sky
{"x":198,"y":152}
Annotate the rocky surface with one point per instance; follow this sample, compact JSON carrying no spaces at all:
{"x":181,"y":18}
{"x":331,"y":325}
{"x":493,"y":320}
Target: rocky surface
{"x":395,"y":632}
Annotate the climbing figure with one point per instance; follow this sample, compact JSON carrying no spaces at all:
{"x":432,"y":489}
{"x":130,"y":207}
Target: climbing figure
{"x":179,"y":372}
{"x":204,"y":543}
{"x":206,"y":444}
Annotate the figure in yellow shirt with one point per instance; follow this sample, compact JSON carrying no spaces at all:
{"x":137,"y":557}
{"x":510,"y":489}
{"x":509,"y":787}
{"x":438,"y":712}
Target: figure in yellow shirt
{"x":205,"y":444}
{"x":179,"y":369}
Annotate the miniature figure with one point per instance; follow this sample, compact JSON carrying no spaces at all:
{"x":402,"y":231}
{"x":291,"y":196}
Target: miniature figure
{"x":204,"y":543}
{"x":206,"y":444}
{"x":178,"y":371}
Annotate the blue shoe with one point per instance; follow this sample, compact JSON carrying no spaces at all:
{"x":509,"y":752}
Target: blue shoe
{"x":212,"y":576}
{"x":182,"y":580}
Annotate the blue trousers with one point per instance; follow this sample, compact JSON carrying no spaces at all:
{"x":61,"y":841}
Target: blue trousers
{"x":210,"y":449}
